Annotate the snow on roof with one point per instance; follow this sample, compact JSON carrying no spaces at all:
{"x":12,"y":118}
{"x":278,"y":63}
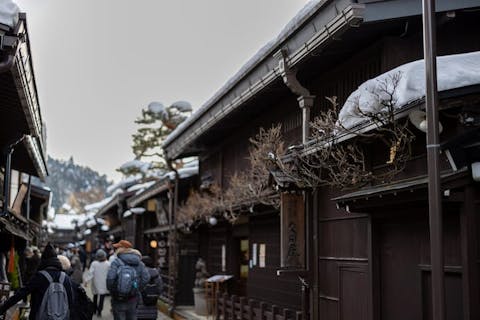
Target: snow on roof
{"x":64,"y":221}
{"x":97,"y":205}
{"x":140,"y":165}
{"x":309,"y":9}
{"x":183,"y":173}
{"x":182,"y":106}
{"x":9,"y":13}
{"x":141,"y":186}
{"x":453,"y":71}
{"x":124,"y":183}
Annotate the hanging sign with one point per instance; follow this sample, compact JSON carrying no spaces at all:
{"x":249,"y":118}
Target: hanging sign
{"x":292,"y":231}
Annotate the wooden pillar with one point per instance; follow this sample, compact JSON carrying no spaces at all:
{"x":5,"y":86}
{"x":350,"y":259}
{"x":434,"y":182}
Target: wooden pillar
{"x":468,"y":238}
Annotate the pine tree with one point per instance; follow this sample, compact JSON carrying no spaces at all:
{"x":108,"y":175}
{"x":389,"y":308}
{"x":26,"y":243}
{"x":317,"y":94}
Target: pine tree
{"x":155,"y":124}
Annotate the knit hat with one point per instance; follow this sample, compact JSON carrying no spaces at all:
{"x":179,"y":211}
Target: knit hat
{"x":49,"y":252}
{"x":100,"y":255}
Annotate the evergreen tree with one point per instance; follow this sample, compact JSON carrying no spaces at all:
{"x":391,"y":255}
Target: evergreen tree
{"x":155,"y":124}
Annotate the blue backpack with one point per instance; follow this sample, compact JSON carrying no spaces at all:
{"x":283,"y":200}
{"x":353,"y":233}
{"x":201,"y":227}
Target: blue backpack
{"x":127,"y":281}
{"x":55,"y":300}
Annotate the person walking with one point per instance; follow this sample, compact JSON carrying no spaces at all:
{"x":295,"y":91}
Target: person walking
{"x":44,"y":290}
{"x":147,"y":307}
{"x":126,"y":278}
{"x":30,"y":265}
{"x":77,"y":273}
{"x":97,"y":274}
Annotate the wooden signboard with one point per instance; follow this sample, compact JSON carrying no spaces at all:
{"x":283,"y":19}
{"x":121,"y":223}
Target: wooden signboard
{"x":292,"y":231}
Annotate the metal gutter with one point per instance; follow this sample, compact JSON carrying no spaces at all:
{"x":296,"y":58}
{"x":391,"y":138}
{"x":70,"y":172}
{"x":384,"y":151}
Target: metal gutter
{"x":31,"y":144}
{"x":351,"y":15}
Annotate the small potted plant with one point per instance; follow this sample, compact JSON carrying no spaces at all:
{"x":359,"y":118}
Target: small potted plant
{"x":199,"y":289}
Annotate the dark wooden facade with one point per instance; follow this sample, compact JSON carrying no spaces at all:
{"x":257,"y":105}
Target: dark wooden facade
{"x":368,"y":249}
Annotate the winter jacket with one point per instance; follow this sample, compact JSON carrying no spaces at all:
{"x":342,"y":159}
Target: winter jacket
{"x":77,"y":268}
{"x":132,"y":258}
{"x":150,"y":312}
{"x":98,"y":274}
{"x":38,"y":285}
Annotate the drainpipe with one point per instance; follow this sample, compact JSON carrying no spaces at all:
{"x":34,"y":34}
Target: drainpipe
{"x":173,"y":232}
{"x":8,"y":151}
{"x":305,"y":102}
{"x":305,"y":99}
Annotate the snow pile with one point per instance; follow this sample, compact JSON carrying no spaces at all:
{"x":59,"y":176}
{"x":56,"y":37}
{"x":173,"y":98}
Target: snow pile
{"x":158,"y":108}
{"x":9,"y":13}
{"x":64,"y":221}
{"x":97,"y":205}
{"x":182,"y":106}
{"x":308,"y":10}
{"x":136,"y":164}
{"x":453,"y":71}
{"x":141,"y":186}
{"x":125,"y":183}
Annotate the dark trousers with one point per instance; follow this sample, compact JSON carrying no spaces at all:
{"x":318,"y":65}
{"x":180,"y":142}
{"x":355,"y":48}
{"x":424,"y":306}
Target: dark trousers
{"x":98,"y":302}
{"x":124,"y":310}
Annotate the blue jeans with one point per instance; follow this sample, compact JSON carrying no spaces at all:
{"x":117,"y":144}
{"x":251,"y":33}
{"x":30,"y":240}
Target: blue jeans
{"x":124,"y":310}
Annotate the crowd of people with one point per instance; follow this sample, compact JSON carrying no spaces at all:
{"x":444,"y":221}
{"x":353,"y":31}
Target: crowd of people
{"x":55,"y":283}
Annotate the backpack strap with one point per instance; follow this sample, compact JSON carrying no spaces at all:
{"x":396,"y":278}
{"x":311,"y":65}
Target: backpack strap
{"x":47,"y":275}
{"x":62,"y":277}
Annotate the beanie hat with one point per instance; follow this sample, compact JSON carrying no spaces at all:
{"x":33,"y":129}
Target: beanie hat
{"x":49,"y":252}
{"x":100,"y":255}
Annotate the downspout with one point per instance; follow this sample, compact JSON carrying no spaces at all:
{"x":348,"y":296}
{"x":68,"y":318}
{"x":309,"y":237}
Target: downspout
{"x":29,"y":194}
{"x":173,"y":232}
{"x":7,"y":152}
{"x":305,"y":101}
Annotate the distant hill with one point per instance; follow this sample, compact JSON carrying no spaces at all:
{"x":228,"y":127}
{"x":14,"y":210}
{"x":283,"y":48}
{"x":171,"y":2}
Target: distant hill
{"x":74,"y":186}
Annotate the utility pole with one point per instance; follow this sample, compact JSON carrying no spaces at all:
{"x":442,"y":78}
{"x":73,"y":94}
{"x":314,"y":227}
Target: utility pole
{"x":433,"y":148}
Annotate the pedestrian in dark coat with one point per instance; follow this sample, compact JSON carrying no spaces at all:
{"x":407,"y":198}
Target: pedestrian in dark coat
{"x":38,"y":284}
{"x":147,"y":309}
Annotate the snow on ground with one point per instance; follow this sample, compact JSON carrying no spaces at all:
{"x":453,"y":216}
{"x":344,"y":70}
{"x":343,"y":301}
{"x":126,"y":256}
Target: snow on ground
{"x":453,"y":71}
{"x":9,"y":13}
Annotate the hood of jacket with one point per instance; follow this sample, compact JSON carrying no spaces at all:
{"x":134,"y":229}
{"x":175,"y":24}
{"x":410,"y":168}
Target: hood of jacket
{"x":129,"y":256}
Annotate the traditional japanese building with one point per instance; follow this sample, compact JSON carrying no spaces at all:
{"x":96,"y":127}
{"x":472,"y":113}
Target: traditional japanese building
{"x":22,"y":143}
{"x":346,"y":245}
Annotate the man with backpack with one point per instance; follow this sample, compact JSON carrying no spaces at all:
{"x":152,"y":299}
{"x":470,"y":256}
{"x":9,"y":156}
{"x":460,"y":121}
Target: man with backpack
{"x":147,"y":307}
{"x":50,"y":289}
{"x":126,"y":278}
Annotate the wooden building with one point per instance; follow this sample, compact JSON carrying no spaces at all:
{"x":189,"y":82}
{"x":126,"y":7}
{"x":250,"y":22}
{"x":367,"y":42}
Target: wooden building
{"x":22,"y":143}
{"x":367,"y":251}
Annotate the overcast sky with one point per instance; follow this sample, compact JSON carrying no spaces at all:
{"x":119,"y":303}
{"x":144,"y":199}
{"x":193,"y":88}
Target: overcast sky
{"x":99,"y":62}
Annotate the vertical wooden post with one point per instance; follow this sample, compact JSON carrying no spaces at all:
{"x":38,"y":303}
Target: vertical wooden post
{"x":250,"y":309}
{"x":232,"y":299}
{"x":299,"y":316}
{"x":224,"y":309}
{"x":275,"y":311}
{"x":263,"y":306}
{"x":242,"y":307}
{"x":286,"y":312}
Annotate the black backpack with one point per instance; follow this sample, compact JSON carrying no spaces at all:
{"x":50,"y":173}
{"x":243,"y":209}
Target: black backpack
{"x":151,"y":292}
{"x":83,"y":307}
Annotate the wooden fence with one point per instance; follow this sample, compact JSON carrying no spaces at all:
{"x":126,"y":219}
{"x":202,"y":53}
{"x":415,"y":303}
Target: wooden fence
{"x":241,"y":308}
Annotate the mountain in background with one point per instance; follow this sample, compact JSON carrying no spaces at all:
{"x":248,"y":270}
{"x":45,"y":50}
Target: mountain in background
{"x":74,"y":186}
